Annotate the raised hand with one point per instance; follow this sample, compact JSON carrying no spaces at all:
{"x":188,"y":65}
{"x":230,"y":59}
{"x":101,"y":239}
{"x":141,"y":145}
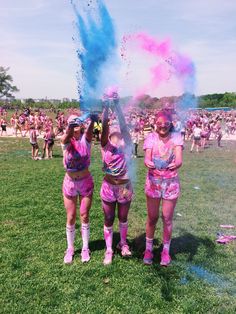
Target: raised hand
{"x":84,"y":117}
{"x":74,"y":123}
{"x":79,"y":120}
{"x":94,"y":117}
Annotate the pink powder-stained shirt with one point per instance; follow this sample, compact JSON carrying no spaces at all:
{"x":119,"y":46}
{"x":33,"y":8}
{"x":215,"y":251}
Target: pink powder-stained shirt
{"x":77,"y":154}
{"x":162,"y":154}
{"x":114,"y":160}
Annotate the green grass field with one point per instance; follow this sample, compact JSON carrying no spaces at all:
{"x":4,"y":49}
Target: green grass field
{"x":201,"y":279}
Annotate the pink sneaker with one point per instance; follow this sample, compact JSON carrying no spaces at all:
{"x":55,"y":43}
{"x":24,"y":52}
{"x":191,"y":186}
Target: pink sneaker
{"x":108,"y":257}
{"x":125,"y":251}
{"x":69,"y":254}
{"x":85,"y":255}
{"x":148,"y":257}
{"x":165,"y":258}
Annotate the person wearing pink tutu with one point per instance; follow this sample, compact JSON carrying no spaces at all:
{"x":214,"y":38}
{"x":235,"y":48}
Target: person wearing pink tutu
{"x":163,"y":157}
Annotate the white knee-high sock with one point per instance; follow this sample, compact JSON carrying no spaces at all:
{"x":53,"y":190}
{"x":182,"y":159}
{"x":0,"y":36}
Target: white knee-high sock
{"x":108,"y":236}
{"x":70,"y":236}
{"x":85,"y":231}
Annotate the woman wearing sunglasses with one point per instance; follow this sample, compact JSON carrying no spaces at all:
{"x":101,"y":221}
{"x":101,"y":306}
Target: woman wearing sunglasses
{"x":78,"y":181}
{"x":163,"y":157}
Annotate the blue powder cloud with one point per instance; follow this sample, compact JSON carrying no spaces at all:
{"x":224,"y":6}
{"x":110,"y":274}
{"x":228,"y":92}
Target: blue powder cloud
{"x":97,"y":44}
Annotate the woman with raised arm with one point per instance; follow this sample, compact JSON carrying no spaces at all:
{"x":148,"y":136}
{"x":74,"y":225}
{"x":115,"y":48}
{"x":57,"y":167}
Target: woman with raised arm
{"x":78,"y":181}
{"x":116,"y":190}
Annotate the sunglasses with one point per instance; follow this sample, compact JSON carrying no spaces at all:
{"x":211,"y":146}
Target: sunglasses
{"x":163,"y":125}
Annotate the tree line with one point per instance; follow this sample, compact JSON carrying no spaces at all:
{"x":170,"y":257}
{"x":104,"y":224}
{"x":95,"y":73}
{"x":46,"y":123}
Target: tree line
{"x":8,"y":100}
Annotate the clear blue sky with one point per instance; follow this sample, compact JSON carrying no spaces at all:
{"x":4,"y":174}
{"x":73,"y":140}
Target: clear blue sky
{"x":36,"y":40}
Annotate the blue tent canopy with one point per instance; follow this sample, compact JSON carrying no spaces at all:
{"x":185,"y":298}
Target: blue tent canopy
{"x":219,"y":108}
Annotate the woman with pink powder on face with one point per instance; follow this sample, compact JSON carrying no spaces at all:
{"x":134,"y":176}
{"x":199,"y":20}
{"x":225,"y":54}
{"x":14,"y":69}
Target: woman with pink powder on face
{"x":163,"y":156}
{"x":78,"y":182}
{"x":116,"y":188}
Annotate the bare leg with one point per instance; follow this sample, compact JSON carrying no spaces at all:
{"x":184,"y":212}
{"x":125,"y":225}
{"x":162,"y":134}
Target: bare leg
{"x":109,"y":213}
{"x":153,"y":205}
{"x":197,"y":147}
{"x":192,"y":147}
{"x":85,"y":205}
{"x":70,"y":205}
{"x":36,"y":152}
{"x":44,"y":149}
{"x":109,"y":216}
{"x":168,"y":207}
{"x":32,"y":152}
{"x":123,"y":210}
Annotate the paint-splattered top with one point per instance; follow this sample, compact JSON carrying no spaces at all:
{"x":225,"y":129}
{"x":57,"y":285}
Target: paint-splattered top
{"x":162,"y":154}
{"x":114,"y":160}
{"x":77,"y":154}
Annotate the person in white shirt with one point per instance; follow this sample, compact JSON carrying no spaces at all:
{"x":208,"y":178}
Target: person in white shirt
{"x":196,"y":138}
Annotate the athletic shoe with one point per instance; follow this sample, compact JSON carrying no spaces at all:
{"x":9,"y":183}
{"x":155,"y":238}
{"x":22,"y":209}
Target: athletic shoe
{"x":148,"y":257}
{"x":165,"y":258}
{"x":108,"y":257}
{"x":125,"y":251}
{"x":85,"y":255}
{"x":68,"y":258}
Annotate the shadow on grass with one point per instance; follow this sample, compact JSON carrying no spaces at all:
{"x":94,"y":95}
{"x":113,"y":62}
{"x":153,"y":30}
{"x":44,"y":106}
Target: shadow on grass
{"x":57,"y":155}
{"x":186,"y":243}
{"x":189,"y":243}
{"x":99,"y":245}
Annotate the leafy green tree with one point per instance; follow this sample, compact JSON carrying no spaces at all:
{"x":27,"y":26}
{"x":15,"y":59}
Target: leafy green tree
{"x":29,"y":102}
{"x":6,"y":87}
{"x":217,"y":100}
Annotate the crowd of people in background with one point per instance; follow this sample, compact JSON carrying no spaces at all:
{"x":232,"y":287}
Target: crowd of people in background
{"x":198,"y":126}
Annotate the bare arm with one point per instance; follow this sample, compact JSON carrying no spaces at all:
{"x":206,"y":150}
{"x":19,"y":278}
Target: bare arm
{"x":89,"y":133}
{"x":70,"y":129}
{"x":67,"y":136}
{"x":105,"y":127}
{"x":148,"y":159}
{"x":123,"y":127}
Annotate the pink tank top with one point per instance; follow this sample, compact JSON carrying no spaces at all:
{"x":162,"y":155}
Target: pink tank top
{"x":77,"y":154}
{"x":114,"y":160}
{"x":162,"y":154}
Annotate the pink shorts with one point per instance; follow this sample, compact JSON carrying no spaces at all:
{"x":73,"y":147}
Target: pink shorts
{"x":168,"y":189}
{"x":74,"y":187}
{"x":121,"y":193}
